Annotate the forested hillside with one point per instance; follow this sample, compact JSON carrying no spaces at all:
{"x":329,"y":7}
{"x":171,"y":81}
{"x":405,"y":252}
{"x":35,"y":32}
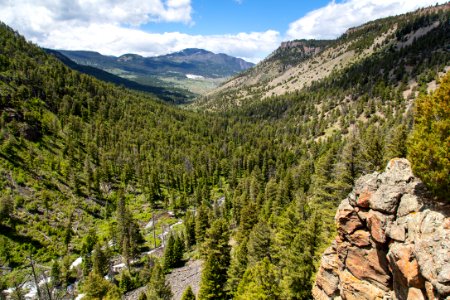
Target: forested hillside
{"x":85,"y":166}
{"x":386,"y":40}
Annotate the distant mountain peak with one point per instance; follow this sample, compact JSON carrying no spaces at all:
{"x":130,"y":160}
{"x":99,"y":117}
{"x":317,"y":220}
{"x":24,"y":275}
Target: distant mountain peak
{"x":192,"y":51}
{"x":129,"y":57}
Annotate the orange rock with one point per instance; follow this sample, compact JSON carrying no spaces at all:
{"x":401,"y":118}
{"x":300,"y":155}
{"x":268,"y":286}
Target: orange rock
{"x":363,"y":199}
{"x":348,"y":222}
{"x":360,"y":238}
{"x":415,"y":294}
{"x":430,"y":291}
{"x":370,"y":265}
{"x":354,"y":289}
{"x":405,"y":269}
{"x":376,"y":221}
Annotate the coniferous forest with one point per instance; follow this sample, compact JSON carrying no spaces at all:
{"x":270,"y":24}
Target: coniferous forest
{"x":106,"y":176}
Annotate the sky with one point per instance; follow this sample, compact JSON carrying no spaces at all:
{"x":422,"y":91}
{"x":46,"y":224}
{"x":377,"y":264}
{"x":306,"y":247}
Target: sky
{"x":250,"y":29}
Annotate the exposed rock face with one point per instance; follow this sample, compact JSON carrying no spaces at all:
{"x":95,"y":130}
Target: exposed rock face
{"x":393,"y":241}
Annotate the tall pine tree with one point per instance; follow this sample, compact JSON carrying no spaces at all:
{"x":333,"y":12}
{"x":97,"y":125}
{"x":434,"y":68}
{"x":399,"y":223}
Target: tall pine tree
{"x":214,"y":277}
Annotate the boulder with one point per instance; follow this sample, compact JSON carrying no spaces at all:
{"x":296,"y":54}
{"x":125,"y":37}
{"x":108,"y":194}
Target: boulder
{"x":393,"y":241}
{"x":396,"y":232}
{"x":347,"y":219}
{"x":377,"y":223}
{"x":386,"y":198}
{"x":408,"y":204}
{"x":360,"y":238}
{"x":404,"y":268}
{"x":352,"y":288}
{"x":370,"y":265}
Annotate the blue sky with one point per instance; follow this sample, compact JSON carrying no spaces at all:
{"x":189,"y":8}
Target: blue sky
{"x":250,"y":29}
{"x":232,"y":16}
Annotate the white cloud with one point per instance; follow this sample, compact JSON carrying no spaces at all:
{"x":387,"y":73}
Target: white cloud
{"x":114,"y":40}
{"x":130,"y":12}
{"x":111,"y":27}
{"x":334,"y":19}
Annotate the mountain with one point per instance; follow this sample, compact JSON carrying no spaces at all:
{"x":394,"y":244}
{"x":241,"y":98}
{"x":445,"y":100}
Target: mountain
{"x":321,"y":59}
{"x":105,"y":190}
{"x":193,"y":69}
{"x":287,"y":56}
{"x":171,"y":95}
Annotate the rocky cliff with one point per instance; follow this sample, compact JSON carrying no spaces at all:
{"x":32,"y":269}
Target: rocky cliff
{"x":393,"y":241}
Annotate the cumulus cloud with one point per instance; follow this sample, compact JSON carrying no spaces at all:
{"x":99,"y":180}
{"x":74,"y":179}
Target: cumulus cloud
{"x":111,"y":27}
{"x":113,"y":40}
{"x":334,"y":19}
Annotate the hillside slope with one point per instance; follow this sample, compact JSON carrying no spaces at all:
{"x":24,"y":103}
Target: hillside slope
{"x":170,"y":95}
{"x":86,"y":166}
{"x":380,"y":37}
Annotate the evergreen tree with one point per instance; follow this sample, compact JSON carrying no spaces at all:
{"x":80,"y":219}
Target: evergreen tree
{"x":169,"y":253}
{"x":373,"y":148}
{"x":86,"y":251}
{"x":237,"y":267}
{"x":396,"y":145}
{"x":214,"y":276}
{"x":260,"y":282}
{"x":96,"y":287}
{"x":300,"y":259}
{"x":189,"y":225}
{"x":158,"y":289}
{"x":430,"y":140}
{"x":100,"y":260}
{"x":129,"y":235}
{"x":178,"y":249}
{"x":188,"y":294}
{"x":201,"y":223}
{"x":55,"y":274}
{"x":6,"y":208}
{"x":259,"y":243}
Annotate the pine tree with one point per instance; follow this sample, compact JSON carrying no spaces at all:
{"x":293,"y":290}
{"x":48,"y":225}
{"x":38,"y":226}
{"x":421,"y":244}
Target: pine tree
{"x":429,"y":144}
{"x":259,"y":243}
{"x":299,"y":260}
{"x":158,"y":289}
{"x":260,"y":282}
{"x":189,"y":225}
{"x":178,"y":250}
{"x":169,"y":256}
{"x":100,"y":260}
{"x":373,"y":147}
{"x":214,"y":276}
{"x":86,"y":251}
{"x":201,"y":223}
{"x":237,"y":267}
{"x":6,"y":208}
{"x":55,"y":274}
{"x":188,"y":294}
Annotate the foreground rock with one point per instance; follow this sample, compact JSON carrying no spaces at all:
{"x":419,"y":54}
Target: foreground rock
{"x":393,"y":241}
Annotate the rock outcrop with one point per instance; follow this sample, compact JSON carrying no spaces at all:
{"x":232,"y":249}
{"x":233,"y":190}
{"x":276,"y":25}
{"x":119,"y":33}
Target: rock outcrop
{"x":393,"y":241}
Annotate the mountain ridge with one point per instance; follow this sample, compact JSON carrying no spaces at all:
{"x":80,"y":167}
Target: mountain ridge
{"x":170,"y":95}
{"x":166,"y":71}
{"x":267,"y":79}
{"x":188,"y":55}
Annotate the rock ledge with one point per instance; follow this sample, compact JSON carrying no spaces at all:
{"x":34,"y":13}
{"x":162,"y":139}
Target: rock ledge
{"x":393,"y":241}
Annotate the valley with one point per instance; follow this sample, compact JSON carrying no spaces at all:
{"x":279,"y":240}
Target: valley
{"x":194,"y":71}
{"x":116,"y":182}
